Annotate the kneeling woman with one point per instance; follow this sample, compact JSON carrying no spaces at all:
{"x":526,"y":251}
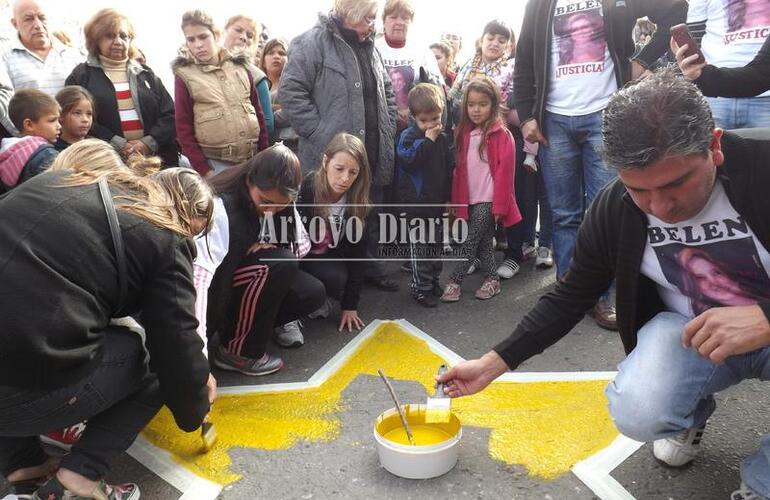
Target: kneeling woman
{"x":337,"y":194}
{"x":62,"y":360}
{"x":259,"y":285}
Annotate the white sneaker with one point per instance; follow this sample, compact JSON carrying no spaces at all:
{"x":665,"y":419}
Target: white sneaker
{"x":508,"y":269}
{"x":544,"y":257}
{"x":528,"y":251}
{"x":745,"y":493}
{"x":681,"y":449}
{"x":289,"y":335}
{"x":322,"y":312}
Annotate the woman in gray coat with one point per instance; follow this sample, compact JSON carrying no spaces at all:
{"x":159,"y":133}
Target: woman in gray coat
{"x":334,"y":82}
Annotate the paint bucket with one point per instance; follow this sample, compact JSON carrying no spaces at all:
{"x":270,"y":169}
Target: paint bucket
{"x":436,"y":449}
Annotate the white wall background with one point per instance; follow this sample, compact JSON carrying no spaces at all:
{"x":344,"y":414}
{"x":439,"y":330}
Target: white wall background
{"x":159,"y":36}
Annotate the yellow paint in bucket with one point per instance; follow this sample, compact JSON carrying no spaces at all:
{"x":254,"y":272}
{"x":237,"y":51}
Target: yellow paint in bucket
{"x":424,"y":434}
{"x":436,"y":445}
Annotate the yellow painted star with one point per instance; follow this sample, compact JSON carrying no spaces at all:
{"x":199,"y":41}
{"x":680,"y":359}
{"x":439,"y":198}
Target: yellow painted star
{"x":545,"y":426}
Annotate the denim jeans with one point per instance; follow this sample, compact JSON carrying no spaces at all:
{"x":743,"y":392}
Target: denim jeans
{"x":574,"y":173}
{"x":118,"y":399}
{"x":530,"y":193}
{"x":740,"y":112}
{"x":662,"y":389}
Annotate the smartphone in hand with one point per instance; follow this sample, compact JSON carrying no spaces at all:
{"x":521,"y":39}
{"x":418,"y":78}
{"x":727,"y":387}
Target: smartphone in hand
{"x":681,"y":35}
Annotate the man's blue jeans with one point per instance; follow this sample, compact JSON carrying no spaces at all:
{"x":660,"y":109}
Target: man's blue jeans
{"x":574,"y":173}
{"x":740,"y":112}
{"x":662,"y":389}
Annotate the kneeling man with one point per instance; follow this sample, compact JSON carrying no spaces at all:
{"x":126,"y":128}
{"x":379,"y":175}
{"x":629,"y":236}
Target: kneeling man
{"x":685,"y":232}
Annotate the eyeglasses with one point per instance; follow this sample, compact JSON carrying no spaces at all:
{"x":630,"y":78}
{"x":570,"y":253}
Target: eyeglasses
{"x":122,"y":35}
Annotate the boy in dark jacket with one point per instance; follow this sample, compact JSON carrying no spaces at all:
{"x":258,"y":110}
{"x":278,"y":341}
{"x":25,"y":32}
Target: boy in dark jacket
{"x":36,"y":115}
{"x":425,"y":170}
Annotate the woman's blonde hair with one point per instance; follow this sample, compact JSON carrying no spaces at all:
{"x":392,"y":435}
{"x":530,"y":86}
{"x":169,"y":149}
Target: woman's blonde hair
{"x":94,"y":155}
{"x":353,"y":10}
{"x":357,"y":197}
{"x":144,"y":165}
{"x":254,"y":26}
{"x":100,"y":25}
{"x":88,"y":155}
{"x":190,"y":194}
{"x":91,"y":159}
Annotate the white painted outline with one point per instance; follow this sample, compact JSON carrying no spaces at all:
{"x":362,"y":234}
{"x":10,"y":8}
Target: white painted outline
{"x":594,"y":471}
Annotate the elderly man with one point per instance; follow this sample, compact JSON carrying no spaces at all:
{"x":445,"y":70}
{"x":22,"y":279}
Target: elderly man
{"x":35,"y":59}
{"x":688,"y":198}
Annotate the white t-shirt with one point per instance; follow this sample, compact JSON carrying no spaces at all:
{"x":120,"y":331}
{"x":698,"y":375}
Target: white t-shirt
{"x":211,"y":250}
{"x":735,"y":30}
{"x":582,"y":72}
{"x":403,"y":65}
{"x":711,"y":260}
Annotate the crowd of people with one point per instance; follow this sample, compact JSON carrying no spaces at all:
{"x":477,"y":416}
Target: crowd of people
{"x":214,"y":222}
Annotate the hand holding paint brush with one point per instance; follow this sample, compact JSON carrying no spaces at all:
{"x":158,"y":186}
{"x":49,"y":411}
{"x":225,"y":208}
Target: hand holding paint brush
{"x":470,"y":377}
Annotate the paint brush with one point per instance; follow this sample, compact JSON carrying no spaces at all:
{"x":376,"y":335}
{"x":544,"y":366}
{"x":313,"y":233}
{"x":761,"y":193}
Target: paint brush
{"x":208,"y":435}
{"x":437,"y":410}
{"x":398,"y":407}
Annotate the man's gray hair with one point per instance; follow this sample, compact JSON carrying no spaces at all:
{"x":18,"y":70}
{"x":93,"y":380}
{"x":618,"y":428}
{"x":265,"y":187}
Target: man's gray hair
{"x":661,"y":116}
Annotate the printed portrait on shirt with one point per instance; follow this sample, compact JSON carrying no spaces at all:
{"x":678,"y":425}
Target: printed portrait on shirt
{"x":402,"y":78}
{"x":727,"y":273}
{"x":580,"y":36}
{"x":744,"y":14}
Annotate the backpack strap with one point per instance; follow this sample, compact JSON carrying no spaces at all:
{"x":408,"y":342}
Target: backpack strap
{"x":117,"y":239}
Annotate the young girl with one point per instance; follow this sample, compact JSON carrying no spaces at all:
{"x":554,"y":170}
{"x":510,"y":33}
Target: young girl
{"x":338,"y":193}
{"x":490,"y":60}
{"x":482,"y":181}
{"x":202,"y":213}
{"x":77,"y":115}
{"x":219,"y":118}
{"x":258,"y":285}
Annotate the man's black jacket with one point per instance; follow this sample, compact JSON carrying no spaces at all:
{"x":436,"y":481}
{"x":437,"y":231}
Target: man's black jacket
{"x":610,"y":245}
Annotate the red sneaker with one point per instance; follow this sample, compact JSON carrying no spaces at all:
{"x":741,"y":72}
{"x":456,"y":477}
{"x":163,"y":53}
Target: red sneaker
{"x":64,"y":438}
